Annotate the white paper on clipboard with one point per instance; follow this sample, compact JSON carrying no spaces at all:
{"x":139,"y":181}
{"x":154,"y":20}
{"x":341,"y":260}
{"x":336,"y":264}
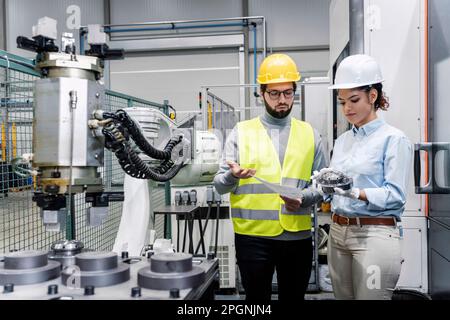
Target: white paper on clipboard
{"x":285,"y":191}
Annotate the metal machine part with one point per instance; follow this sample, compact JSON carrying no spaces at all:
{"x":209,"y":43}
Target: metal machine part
{"x":99,"y":269}
{"x":97,"y":213}
{"x":67,"y":152}
{"x":205,"y":160}
{"x":170,"y":270}
{"x":71,"y":130}
{"x":58,"y":164}
{"x":125,"y":137}
{"x":64,"y":251}
{"x":334,"y":179}
{"x":53,"y":290}
{"x":27,"y":267}
{"x":54,"y":220}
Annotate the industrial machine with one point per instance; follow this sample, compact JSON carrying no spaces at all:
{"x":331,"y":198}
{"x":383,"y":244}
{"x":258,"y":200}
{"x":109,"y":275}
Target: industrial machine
{"x":35,"y":275}
{"x":71,"y":130}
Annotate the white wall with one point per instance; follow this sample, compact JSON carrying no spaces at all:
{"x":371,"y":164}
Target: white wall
{"x":399,"y":48}
{"x":177,"y":78}
{"x":293,"y":22}
{"x":339,"y":27}
{"x":162,"y":10}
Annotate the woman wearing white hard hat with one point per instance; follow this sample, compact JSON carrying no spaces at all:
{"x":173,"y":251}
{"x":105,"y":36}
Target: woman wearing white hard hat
{"x":364,"y":246}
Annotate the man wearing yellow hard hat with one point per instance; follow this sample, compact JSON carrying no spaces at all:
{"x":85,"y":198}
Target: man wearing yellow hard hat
{"x":272,"y":232}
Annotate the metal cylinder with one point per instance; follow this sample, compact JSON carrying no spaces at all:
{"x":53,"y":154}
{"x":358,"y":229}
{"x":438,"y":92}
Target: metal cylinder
{"x":96,"y":261}
{"x":21,"y":260}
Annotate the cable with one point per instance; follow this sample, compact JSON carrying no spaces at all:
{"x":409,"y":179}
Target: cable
{"x":217,"y":228}
{"x":202,"y":232}
{"x":126,"y":121}
{"x":133,"y":165}
{"x":185,"y":232}
{"x":117,"y":134}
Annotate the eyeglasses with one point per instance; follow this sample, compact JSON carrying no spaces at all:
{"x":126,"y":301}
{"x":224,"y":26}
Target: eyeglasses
{"x":275,"y":94}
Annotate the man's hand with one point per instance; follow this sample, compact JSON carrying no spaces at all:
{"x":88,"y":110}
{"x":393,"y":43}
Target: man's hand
{"x":291,"y":204}
{"x":239,"y":172}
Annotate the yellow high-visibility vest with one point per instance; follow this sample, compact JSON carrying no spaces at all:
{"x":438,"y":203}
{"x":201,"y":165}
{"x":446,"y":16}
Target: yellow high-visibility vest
{"x":255,"y":209}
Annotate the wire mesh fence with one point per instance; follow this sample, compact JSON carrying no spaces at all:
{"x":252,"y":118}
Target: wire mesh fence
{"x":20,"y":222}
{"x":21,"y":226}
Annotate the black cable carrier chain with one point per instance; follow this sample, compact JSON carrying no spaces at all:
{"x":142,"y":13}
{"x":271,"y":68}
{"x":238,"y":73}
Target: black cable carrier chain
{"x":117,"y":135}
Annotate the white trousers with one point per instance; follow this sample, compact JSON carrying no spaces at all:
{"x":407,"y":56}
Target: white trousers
{"x":364,"y":261}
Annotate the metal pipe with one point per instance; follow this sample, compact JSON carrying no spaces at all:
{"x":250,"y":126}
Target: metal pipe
{"x":3,"y":142}
{"x":14,"y":140}
{"x":174,"y":27}
{"x":184,"y":21}
{"x":262,"y":18}
{"x":227,"y":85}
{"x":356,"y":45}
{"x":219,"y":99}
{"x":8,"y":59}
{"x":264,"y":38}
{"x":73,"y":106}
{"x":255,"y":91}
{"x":217,"y":228}
{"x":245,"y":11}
{"x":81,"y":34}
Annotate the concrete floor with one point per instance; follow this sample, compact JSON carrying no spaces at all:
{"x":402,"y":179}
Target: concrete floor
{"x":308,"y":296}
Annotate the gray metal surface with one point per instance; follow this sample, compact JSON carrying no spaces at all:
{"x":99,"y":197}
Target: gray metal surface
{"x":439,"y":204}
{"x":67,"y":246}
{"x":170,"y":271}
{"x":168,"y":262}
{"x":61,"y":64}
{"x":95,"y":216}
{"x":25,"y":260}
{"x":64,"y":251}
{"x":27,"y":267}
{"x":98,"y":278}
{"x":356,"y":43}
{"x":54,"y":220}
{"x":120,"y":291}
{"x":52,"y":123}
{"x":99,"y":269}
{"x":96,"y":261}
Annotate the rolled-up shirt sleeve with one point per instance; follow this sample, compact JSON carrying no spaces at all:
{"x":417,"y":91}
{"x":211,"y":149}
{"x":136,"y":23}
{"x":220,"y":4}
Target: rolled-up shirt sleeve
{"x":397,"y":164}
{"x":224,"y":181}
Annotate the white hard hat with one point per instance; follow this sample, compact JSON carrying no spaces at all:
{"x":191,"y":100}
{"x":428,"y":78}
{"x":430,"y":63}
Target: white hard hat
{"x":357,"y":71}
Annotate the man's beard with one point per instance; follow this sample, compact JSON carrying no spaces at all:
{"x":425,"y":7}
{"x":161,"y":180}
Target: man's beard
{"x":278,"y":114}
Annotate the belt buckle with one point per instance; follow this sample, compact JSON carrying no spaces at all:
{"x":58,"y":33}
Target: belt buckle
{"x":348,"y":221}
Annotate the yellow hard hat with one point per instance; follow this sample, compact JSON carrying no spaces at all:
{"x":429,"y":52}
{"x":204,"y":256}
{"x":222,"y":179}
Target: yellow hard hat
{"x":278,"y":68}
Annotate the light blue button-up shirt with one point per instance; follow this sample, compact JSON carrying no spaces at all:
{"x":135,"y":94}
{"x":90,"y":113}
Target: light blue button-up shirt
{"x":378,"y":157}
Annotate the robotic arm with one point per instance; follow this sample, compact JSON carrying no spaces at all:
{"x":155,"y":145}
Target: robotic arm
{"x":71,"y":130}
{"x":121,"y":131}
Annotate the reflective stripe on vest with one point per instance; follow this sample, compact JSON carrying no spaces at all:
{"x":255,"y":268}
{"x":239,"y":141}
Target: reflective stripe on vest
{"x":255,"y":209}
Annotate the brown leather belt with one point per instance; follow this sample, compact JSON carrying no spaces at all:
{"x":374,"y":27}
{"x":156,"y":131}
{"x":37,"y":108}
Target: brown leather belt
{"x":346,"y":221}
